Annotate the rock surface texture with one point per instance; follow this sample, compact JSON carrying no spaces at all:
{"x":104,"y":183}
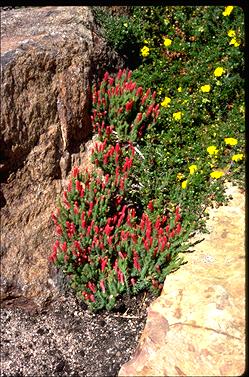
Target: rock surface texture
{"x":197,"y":326}
{"x":49,"y":57}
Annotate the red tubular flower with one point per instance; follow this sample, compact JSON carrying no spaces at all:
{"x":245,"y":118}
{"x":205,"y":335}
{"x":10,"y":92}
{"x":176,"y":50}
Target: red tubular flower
{"x":120,"y":72}
{"x":136,"y":264}
{"x":91,"y":286}
{"x":167,"y":228}
{"x":103,"y":263}
{"x":64,"y":246}
{"x":77,"y":245}
{"x":106,"y":76}
{"x":78,"y":185}
{"x":139,"y":91}
{"x":172,"y":234}
{"x":149,"y":110}
{"x":138,"y":118}
{"x":154,"y":95}
{"x":59,"y":230}
{"x":178,"y":228}
{"x":129,"y":75}
{"x":69,"y":186}
{"x":178,"y":217}
{"x":150,"y":206}
{"x":75,"y":171}
{"x":129,"y":105}
{"x":102,"y":285}
{"x":76,"y":208}
{"x":111,"y":81}
{"x":158,"y":269}
{"x":91,"y":297}
{"x":54,"y":218}
{"x":120,"y":277}
{"x":108,"y":229}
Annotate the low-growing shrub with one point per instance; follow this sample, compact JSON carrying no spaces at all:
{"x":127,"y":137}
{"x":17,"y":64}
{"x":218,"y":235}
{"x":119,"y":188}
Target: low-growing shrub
{"x":108,"y":241}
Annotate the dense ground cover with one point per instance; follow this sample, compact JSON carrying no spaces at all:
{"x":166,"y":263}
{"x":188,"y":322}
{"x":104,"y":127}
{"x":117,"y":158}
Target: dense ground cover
{"x":169,"y":134}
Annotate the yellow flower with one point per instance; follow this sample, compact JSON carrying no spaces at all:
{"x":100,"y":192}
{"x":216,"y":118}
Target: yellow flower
{"x":231,"y":33}
{"x":192,"y":169}
{"x":184,"y":184}
{"x":167,"y":42}
{"x":177,"y":115}
{"x":234,"y":42}
{"x":237,"y":157}
{"x":179,"y":89}
{"x":205,"y":88}
{"x":145,"y":41}
{"x":166,"y":102}
{"x":180,"y":176}
{"x":212,"y":150}
{"x":217,"y":174}
{"x":159,"y":92}
{"x":227,"y":10}
{"x":219,"y":71}
{"x":230,"y":141}
{"x":145,"y":51}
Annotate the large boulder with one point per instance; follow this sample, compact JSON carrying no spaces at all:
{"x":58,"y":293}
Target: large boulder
{"x":197,"y":326}
{"x":50,"y":56}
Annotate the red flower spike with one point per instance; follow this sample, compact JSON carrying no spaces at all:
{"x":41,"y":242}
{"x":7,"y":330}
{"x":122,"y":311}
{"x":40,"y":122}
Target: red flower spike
{"x":69,"y":186}
{"x":120,"y":277}
{"x":59,"y":230}
{"x":64,"y":246}
{"x":150,"y":206}
{"x":102,"y":285}
{"x":106,"y":76}
{"x":138,"y":118}
{"x":129,"y":75}
{"x":178,"y":228}
{"x":91,"y":297}
{"x":75,"y":171}
{"x":129,"y":105}
{"x":120,"y":72}
{"x":167,"y":228}
{"x":103,"y":263}
{"x":139,"y":91}
{"x":111,"y":81}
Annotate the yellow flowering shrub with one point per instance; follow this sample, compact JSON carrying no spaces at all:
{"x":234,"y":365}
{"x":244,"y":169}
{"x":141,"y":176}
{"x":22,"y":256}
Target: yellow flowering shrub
{"x":230,"y":141}
{"x":205,"y":88}
{"x":212,"y":150}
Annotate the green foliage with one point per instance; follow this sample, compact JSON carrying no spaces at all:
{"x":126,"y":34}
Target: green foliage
{"x":158,"y":151}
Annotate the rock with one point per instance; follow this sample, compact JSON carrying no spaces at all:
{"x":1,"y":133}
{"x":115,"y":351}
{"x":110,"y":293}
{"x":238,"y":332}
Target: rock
{"x":197,"y":326}
{"x":50,"y":57}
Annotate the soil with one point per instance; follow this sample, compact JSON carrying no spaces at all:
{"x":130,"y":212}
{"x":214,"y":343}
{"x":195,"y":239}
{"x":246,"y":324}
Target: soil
{"x":66,"y":339}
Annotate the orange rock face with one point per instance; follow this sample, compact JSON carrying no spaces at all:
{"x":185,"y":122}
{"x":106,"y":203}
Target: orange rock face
{"x":197,"y":326}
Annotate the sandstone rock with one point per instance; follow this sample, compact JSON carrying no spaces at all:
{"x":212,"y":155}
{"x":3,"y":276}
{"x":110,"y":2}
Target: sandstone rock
{"x":50,"y":55}
{"x":197,"y":326}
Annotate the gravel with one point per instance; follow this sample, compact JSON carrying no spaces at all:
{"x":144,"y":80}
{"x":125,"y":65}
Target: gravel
{"x":65,"y":339}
